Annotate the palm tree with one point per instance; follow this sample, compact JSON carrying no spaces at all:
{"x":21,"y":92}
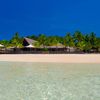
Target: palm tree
{"x":16,"y":41}
{"x":93,"y":39}
{"x":79,"y":40}
{"x":87,"y":44}
{"x":68,"y":40}
{"x":5,"y":43}
{"x":78,"y":36}
{"x":42,"y":39}
{"x":54,"y":41}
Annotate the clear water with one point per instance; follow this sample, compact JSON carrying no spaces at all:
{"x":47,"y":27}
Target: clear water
{"x":46,"y":81}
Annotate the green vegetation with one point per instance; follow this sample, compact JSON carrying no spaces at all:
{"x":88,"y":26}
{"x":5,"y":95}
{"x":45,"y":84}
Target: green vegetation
{"x":85,"y":42}
{"x":16,"y":41}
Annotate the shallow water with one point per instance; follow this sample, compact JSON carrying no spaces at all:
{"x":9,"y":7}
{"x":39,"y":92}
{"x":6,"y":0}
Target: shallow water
{"x":48,"y":81}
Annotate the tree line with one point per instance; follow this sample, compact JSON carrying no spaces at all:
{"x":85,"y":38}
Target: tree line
{"x":84,"y":42}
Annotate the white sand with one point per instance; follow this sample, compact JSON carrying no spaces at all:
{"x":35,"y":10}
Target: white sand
{"x":59,"y":58}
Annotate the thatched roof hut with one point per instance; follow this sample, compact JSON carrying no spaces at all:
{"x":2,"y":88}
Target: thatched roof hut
{"x":1,"y":45}
{"x":27,"y":42}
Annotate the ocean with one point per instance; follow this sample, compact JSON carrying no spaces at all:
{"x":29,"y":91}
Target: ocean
{"x":49,"y":81}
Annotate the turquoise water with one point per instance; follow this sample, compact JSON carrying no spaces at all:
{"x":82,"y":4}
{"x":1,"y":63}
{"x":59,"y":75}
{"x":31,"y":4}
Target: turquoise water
{"x":46,"y":81}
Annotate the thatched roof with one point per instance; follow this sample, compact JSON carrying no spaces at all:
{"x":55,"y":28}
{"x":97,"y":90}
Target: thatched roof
{"x":1,"y":45}
{"x":30,"y":41}
{"x":59,"y":45}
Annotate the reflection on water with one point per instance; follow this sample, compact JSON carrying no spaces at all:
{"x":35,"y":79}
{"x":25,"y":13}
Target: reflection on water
{"x":45,"y":81}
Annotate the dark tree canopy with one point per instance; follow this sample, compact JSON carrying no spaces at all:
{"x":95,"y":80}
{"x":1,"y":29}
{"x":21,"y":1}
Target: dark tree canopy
{"x":84,"y":42}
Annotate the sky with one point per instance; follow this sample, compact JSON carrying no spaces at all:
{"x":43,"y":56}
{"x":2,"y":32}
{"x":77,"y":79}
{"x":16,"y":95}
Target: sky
{"x":51,"y":17}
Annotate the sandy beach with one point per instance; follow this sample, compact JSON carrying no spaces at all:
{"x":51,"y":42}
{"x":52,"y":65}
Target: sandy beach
{"x":53,"y":58}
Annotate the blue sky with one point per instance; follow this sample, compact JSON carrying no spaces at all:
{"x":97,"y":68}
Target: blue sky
{"x":52,"y":17}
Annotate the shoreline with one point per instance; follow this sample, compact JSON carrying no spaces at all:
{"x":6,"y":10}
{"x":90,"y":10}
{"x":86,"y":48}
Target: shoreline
{"x":51,"y":58}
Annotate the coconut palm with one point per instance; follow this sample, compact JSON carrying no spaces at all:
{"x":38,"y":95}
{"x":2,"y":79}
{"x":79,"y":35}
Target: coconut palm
{"x":68,"y":40}
{"x":93,"y":39}
{"x":16,"y":41}
{"x":42,"y":39}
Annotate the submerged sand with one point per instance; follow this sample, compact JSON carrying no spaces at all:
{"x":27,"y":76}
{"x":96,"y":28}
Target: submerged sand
{"x":58,"y":58}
